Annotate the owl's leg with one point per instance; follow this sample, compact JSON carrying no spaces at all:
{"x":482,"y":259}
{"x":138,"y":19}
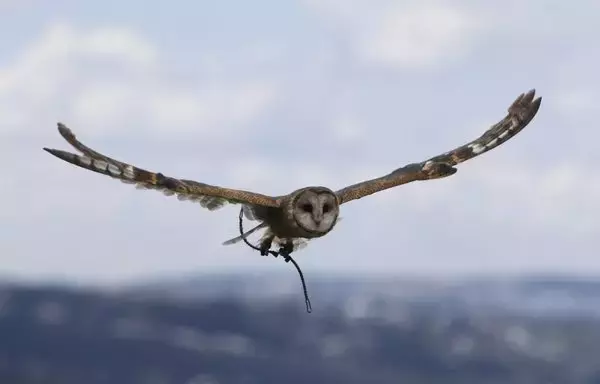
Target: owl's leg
{"x":265,"y":245}
{"x":286,"y":249}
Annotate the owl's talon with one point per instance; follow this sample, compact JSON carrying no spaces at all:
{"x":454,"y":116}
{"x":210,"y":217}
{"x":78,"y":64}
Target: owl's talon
{"x":285,"y":250}
{"x":265,"y":247}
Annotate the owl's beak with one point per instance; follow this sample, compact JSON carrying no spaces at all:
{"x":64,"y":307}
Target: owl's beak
{"x":317,"y":219}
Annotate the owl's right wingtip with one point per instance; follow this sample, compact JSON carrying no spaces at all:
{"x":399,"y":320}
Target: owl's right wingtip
{"x":530,"y":95}
{"x":63,"y":129}
{"x":526,"y":101}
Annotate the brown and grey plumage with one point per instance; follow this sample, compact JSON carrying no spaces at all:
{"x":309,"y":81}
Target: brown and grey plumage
{"x":310,"y":212}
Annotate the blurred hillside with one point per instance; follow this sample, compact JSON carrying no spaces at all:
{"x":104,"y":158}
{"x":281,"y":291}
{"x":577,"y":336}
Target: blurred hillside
{"x":253,"y":329}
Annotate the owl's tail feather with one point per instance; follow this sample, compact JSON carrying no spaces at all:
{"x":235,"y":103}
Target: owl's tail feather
{"x":246,"y":234}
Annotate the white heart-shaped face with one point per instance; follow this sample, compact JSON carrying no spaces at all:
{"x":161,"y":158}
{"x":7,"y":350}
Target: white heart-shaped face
{"x":316,"y":210}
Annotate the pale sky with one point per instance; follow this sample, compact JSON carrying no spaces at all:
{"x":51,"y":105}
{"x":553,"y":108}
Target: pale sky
{"x":274,"y":95}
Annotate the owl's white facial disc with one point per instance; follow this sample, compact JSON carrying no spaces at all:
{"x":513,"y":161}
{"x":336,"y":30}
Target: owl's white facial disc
{"x":316,"y":210}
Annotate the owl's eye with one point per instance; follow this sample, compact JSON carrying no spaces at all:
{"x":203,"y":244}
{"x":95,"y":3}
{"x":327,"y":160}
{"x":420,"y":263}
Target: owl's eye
{"x":307,"y":207}
{"x":326,"y":208}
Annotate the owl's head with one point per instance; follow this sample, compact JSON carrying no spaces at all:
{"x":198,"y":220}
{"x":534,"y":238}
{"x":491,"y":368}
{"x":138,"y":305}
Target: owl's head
{"x":315,"y":209}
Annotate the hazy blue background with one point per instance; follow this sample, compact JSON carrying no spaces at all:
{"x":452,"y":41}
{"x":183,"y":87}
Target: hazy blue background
{"x":273,"y":95}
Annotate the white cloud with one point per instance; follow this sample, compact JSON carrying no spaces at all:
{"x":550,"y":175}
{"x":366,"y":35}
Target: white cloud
{"x":403,"y":35}
{"x":8,"y":5}
{"x":536,"y":21}
{"x":347,"y":128}
{"x":559,"y":199}
{"x":575,"y":101}
{"x":417,"y":36}
{"x":111,"y":78}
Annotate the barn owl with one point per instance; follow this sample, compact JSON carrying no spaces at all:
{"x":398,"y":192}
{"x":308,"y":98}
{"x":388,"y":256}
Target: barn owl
{"x":310,"y":212}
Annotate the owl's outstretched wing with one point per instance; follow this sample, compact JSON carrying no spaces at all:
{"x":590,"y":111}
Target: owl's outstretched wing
{"x":209,"y":196}
{"x":520,"y":113}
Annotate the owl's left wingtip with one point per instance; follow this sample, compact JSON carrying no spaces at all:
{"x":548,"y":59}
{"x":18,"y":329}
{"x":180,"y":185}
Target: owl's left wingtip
{"x":50,"y":150}
{"x":53,"y":151}
{"x":63,"y":155}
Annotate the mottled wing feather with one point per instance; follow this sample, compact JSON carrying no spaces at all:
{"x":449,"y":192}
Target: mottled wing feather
{"x":520,"y":113}
{"x":208,"y":196}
